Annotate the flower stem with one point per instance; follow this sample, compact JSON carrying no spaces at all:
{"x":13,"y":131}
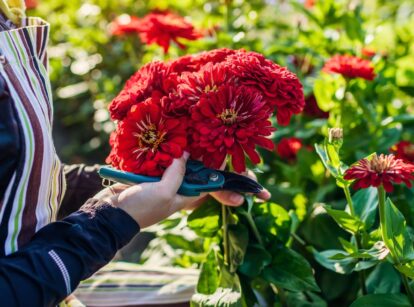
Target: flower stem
{"x":408,"y":289}
{"x":361,"y":274}
{"x":381,"y":202}
{"x":254,"y":228}
{"x":225,"y":233}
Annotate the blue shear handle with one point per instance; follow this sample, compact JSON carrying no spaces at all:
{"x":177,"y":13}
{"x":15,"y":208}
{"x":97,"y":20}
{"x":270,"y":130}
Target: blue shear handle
{"x":186,"y":189}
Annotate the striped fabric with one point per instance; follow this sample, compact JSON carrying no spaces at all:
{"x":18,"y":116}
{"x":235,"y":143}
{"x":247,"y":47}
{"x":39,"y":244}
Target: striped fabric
{"x":34,"y":194}
{"x":127,"y":284}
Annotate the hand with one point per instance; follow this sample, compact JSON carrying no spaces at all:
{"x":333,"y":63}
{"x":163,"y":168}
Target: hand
{"x":149,"y":203}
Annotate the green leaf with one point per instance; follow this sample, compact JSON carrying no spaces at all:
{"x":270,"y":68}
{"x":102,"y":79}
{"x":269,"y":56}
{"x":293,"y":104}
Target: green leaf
{"x":273,"y":221}
{"x":333,"y":155}
{"x":382,"y":300}
{"x":255,"y":260}
{"x":396,"y":236}
{"x":223,"y":297}
{"x":289,"y":270}
{"x":320,"y":150}
{"x":343,"y":266}
{"x":206,"y":220}
{"x":345,"y":220}
{"x":366,"y":203}
{"x":307,"y":299}
{"x":208,"y":280}
{"x":406,"y":268}
{"x":324,"y":90}
{"x":238,"y":239}
{"x":383,"y":279}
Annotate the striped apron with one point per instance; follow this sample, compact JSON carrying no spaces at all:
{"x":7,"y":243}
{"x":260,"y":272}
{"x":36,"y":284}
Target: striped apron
{"x":34,"y":194}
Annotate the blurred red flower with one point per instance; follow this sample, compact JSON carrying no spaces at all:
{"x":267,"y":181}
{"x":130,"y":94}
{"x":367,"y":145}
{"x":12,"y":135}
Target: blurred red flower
{"x":163,"y":27}
{"x":350,"y":66}
{"x":380,"y":170}
{"x":31,"y":4}
{"x":147,"y":141}
{"x":124,"y":25}
{"x":403,"y":150}
{"x":368,"y":52}
{"x":288,"y":148}
{"x":309,"y":3}
{"x":312,"y":109}
{"x":229,"y":121}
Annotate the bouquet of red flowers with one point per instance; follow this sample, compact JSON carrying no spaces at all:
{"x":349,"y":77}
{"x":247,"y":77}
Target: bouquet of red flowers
{"x":215,"y":105}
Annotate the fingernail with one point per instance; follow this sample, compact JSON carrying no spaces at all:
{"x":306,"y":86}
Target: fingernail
{"x":186,"y":155}
{"x":237,"y":198}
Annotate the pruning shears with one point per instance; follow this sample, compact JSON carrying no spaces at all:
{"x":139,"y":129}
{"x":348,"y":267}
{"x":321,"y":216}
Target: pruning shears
{"x":197,"y":179}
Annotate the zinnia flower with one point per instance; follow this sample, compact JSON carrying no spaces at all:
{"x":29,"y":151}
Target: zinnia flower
{"x":229,"y":121}
{"x":368,"y":52}
{"x":147,"y":141}
{"x":31,"y":4}
{"x":350,"y":66}
{"x":312,"y":109}
{"x":281,"y":88}
{"x":163,"y":27}
{"x":380,"y":170}
{"x":404,"y":150}
{"x":124,"y":25}
{"x":288,"y":148}
{"x":147,"y":82}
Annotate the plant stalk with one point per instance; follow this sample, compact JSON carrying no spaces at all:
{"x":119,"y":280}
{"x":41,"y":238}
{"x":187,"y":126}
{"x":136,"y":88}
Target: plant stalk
{"x":254,"y":228}
{"x":381,"y":203}
{"x":361,"y":274}
{"x":225,"y":234}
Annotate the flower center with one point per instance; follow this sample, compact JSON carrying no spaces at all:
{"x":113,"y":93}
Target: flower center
{"x":151,"y":137}
{"x":228,"y":116}
{"x":210,"y":88}
{"x":380,"y":163}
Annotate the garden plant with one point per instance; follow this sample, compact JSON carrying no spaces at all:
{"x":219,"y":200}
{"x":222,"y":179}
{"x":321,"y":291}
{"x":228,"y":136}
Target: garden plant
{"x":335,"y":144}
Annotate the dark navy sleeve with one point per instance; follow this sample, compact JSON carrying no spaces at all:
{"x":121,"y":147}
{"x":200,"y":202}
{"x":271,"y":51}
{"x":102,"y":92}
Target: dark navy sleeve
{"x":63,"y":253}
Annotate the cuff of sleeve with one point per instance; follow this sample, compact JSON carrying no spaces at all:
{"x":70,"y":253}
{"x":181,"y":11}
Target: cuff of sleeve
{"x":120,"y":222}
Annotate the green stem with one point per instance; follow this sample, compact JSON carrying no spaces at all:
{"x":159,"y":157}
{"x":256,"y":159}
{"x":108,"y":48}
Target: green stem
{"x":228,"y":15}
{"x":408,"y":288}
{"x":254,"y":228}
{"x":381,"y":203}
{"x":361,"y":274}
{"x":225,"y":233}
{"x":349,"y":200}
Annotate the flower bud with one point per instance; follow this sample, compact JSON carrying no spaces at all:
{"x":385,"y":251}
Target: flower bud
{"x":336,"y":136}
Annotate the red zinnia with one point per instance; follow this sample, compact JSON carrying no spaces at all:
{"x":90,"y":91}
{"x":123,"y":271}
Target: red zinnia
{"x":163,"y":27}
{"x":350,"y":66}
{"x":147,"y":82}
{"x":229,"y":121}
{"x":281,"y":88}
{"x":404,"y":150}
{"x":312,"y":109}
{"x":147,"y":141}
{"x":380,"y":170}
{"x":124,"y":25}
{"x":368,"y":52}
{"x":288,"y":148}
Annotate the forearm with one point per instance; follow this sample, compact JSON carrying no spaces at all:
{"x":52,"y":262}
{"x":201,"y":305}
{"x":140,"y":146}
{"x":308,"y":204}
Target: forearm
{"x":62,"y":254}
{"x":82,"y":183}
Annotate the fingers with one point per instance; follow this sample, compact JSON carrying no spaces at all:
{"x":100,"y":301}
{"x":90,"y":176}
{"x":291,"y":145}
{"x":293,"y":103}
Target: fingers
{"x":264,"y":194}
{"x":228,"y":198}
{"x":174,"y":174}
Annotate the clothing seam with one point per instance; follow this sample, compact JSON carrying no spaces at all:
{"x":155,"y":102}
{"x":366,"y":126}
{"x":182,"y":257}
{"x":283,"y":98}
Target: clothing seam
{"x":62,"y":269}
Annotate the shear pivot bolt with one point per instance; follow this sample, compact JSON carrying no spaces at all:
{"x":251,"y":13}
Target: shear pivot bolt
{"x":214,"y":177}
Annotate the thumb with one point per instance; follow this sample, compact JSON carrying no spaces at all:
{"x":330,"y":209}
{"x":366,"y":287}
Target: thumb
{"x":173,"y":176}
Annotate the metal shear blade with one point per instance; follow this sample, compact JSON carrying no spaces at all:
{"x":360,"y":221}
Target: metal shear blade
{"x":239,"y":183}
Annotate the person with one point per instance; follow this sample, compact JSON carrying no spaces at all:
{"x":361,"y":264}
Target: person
{"x":43,"y":260}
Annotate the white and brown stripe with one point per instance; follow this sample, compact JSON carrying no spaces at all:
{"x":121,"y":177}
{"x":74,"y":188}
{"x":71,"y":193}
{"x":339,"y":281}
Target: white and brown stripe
{"x":33,"y":196}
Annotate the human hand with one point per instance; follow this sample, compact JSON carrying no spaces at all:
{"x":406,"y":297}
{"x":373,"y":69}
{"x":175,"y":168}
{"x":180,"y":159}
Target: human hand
{"x":149,"y":203}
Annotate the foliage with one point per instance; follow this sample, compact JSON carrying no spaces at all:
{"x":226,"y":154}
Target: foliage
{"x":307,"y":246}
